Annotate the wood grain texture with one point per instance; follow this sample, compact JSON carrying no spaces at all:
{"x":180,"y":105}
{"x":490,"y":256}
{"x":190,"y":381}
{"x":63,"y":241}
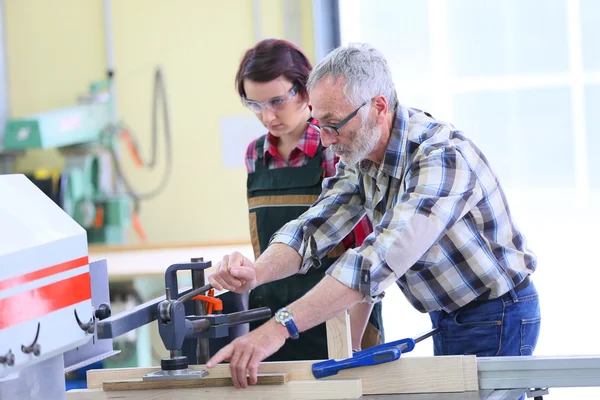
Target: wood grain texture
{"x":108,"y":248}
{"x":339,"y":342}
{"x":407,"y":375}
{"x":470,"y":373}
{"x":207,"y":381}
{"x":438,"y":374}
{"x":296,"y":370}
{"x":308,"y":390}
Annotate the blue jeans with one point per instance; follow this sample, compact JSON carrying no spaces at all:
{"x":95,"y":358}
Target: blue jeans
{"x":507,"y":326}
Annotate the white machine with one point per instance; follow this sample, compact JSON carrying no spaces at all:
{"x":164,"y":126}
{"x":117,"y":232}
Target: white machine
{"x":47,"y":316}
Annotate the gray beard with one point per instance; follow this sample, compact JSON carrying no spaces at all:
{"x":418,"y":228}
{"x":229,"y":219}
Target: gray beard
{"x":363,"y":142}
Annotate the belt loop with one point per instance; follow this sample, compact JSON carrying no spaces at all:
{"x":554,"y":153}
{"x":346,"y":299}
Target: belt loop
{"x":513,"y":292}
{"x":513,"y":295}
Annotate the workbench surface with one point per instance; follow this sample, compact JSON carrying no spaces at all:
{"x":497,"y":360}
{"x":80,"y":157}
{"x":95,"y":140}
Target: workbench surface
{"x":480,"y":395}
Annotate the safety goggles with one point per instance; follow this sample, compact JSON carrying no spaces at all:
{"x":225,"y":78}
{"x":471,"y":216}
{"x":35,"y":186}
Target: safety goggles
{"x":274,"y":104}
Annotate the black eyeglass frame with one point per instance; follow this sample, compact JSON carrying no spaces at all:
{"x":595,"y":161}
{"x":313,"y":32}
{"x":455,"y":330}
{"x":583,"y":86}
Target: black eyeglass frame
{"x":337,"y":126}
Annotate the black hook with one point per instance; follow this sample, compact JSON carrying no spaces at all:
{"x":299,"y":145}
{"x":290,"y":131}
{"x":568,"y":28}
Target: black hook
{"x":86,"y":327}
{"x":8,"y":359}
{"x":33,"y":347}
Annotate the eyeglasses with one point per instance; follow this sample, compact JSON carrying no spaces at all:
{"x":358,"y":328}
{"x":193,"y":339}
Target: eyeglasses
{"x":334,"y":129}
{"x":274,"y":104}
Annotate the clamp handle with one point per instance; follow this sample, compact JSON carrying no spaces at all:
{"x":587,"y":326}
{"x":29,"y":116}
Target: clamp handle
{"x":213,"y":305}
{"x":375,"y":355}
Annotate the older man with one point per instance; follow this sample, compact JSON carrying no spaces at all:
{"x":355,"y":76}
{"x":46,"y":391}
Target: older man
{"x":443,"y":231}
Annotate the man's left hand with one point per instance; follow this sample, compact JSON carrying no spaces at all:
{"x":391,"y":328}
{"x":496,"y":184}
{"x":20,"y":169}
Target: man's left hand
{"x":246,"y":352}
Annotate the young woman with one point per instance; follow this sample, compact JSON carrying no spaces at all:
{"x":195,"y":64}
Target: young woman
{"x":285,"y":169}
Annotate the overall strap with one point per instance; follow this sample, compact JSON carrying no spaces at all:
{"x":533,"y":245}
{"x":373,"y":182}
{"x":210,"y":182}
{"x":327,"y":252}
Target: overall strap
{"x":259,"y":163}
{"x":259,"y":145}
{"x":316,"y":161}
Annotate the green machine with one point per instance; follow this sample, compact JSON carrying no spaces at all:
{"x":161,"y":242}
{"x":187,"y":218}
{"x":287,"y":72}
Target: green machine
{"x":81,"y":134}
{"x":91,"y":188}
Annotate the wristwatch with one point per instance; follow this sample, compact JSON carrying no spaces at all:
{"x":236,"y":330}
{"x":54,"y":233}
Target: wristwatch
{"x":285,"y":318}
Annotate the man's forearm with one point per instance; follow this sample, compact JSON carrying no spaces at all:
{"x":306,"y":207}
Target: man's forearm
{"x":277,"y":262}
{"x":359,"y":318}
{"x":326,"y":300}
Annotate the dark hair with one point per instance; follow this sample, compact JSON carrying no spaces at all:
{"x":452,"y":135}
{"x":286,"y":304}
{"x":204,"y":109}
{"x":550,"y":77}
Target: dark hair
{"x":270,"y":59}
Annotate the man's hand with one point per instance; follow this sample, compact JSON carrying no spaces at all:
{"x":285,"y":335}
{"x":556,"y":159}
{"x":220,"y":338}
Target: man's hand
{"x":235,"y":273}
{"x":246,"y":352}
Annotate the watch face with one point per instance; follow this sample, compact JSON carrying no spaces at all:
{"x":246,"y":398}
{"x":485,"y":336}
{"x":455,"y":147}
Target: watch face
{"x":283,"y":315}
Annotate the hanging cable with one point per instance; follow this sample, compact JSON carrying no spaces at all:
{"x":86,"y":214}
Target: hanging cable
{"x":122,"y":130}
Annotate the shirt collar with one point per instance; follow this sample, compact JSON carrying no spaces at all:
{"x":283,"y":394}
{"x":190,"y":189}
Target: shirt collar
{"x":308,"y":143}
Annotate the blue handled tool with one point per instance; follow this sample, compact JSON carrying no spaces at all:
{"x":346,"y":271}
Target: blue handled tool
{"x":375,"y":355}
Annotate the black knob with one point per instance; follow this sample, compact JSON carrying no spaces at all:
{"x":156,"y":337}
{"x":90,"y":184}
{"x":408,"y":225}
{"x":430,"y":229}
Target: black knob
{"x":197,"y":259}
{"x":103,"y":311}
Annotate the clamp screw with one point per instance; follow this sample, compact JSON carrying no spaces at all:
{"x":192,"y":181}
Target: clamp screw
{"x":103,"y":311}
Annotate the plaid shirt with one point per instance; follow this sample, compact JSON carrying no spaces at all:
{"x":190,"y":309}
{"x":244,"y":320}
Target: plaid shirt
{"x":305,"y":149}
{"x":443,"y":229}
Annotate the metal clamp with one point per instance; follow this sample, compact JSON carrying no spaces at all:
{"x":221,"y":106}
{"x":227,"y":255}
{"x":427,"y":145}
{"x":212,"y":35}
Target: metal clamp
{"x":8,"y":359}
{"x":34,"y":347}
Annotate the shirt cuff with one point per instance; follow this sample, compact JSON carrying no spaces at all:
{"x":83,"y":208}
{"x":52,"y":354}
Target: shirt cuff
{"x":353,"y":270}
{"x":298,"y":245}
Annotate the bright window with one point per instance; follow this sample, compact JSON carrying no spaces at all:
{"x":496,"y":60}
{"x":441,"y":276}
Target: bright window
{"x":522,"y":79}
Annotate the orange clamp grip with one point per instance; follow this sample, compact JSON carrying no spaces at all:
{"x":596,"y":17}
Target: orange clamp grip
{"x":212,"y":302}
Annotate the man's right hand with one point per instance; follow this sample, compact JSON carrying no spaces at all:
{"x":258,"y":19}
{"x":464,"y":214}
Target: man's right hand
{"x":235,"y":273}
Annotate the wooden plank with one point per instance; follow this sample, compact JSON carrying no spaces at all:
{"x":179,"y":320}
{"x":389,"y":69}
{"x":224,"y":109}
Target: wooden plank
{"x":339,"y":342}
{"x":207,"y":381}
{"x":407,"y":375}
{"x":296,"y":370}
{"x":470,"y":373}
{"x":309,"y":390}
{"x":438,"y":374}
{"x":107,"y":248}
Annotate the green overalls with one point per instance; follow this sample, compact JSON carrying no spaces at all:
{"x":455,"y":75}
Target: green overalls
{"x":275,"y":197}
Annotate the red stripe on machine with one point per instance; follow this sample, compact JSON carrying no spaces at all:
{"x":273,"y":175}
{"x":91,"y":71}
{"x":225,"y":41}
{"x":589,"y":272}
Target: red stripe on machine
{"x":40,"y":301}
{"x":43,"y":273}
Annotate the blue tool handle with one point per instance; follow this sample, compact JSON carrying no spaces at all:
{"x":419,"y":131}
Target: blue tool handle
{"x":405,"y":346}
{"x":332,"y":367}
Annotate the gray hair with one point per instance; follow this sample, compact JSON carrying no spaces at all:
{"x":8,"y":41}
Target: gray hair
{"x":366,"y":71}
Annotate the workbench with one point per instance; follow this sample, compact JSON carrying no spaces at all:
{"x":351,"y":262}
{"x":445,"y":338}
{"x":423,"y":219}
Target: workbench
{"x":480,"y":395}
{"x":130,"y":262}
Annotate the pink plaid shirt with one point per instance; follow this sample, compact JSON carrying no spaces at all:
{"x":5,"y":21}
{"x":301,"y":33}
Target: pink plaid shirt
{"x":305,"y":149}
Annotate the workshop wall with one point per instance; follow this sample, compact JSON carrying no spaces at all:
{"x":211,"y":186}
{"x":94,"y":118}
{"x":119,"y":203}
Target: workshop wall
{"x":55,"y":49}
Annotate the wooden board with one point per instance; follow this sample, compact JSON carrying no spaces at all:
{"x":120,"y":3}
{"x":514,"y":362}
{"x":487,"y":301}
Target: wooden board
{"x":437,"y":374}
{"x":207,"y":381}
{"x":339,"y":343}
{"x":309,"y":390}
{"x":295,"y":370}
